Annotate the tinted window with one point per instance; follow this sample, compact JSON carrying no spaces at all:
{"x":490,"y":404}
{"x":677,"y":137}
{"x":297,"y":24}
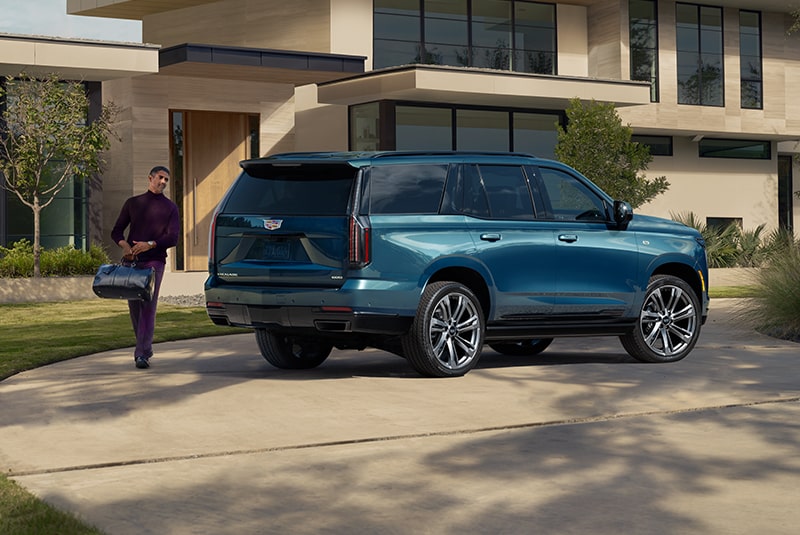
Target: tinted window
{"x":304,"y":190}
{"x":569,"y":198}
{"x":406,"y":189}
{"x":734,"y":148}
{"x":507,"y":189}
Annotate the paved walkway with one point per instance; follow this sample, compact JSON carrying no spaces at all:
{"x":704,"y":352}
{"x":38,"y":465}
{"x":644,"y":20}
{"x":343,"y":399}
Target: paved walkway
{"x":581,"y":439}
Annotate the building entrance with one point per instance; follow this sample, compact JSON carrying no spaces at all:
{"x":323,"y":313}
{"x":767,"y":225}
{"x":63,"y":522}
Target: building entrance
{"x":211,"y":146}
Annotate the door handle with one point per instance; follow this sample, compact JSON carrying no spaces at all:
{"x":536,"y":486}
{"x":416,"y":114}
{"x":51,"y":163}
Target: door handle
{"x":569,"y":238}
{"x":490,"y":237}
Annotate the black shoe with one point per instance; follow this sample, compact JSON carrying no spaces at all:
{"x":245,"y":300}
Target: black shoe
{"x":142,"y":363}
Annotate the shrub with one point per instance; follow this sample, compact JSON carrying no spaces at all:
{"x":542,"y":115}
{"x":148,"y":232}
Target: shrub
{"x":777,"y":311}
{"x":17,"y":261}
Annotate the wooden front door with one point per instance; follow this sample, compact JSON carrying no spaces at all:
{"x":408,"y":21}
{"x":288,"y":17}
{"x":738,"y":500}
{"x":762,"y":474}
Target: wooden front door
{"x":215,"y":143}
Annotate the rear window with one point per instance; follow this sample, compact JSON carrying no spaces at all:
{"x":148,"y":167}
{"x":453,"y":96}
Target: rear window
{"x":406,"y":189}
{"x":301,"y":190}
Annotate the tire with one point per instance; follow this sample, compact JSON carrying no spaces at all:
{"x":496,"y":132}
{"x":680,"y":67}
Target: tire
{"x":446,"y":336}
{"x":522,"y":348}
{"x":291,"y":352}
{"x":669,"y":322}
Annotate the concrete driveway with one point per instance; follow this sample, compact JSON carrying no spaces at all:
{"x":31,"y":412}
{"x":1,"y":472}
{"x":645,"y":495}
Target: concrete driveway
{"x":581,"y":439}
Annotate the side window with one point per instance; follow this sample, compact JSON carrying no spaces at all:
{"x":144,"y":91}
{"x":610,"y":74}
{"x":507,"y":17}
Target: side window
{"x":473,"y":194}
{"x":569,"y":198}
{"x":507,"y":190}
{"x":406,"y":189}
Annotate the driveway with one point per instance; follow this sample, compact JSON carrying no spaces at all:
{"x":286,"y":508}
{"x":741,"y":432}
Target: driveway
{"x":581,"y":439}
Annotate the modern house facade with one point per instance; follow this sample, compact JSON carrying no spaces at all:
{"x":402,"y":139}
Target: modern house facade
{"x":709,"y":86}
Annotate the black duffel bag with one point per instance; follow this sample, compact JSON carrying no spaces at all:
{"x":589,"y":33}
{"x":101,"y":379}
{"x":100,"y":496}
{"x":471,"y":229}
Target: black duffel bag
{"x":124,"y":281}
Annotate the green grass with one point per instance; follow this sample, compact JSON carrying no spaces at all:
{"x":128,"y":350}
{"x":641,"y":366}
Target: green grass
{"x":36,"y":334}
{"x":723,"y":292}
{"x":21,"y":513}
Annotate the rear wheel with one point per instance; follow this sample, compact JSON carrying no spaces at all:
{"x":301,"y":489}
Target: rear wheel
{"x":669,"y":322}
{"x":292,"y":352}
{"x":446,"y":336}
{"x":522,"y":348}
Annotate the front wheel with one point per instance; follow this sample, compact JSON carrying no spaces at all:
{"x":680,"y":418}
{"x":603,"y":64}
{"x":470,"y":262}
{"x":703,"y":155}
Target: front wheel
{"x":292,"y":352}
{"x":446,"y":336}
{"x":669,"y":322}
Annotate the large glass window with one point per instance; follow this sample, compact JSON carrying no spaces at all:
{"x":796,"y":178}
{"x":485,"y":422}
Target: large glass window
{"x":397,"y":32}
{"x":388,"y":125}
{"x":482,"y":130}
{"x":699,"y":44}
{"x":419,"y":127}
{"x":513,"y":35}
{"x":535,"y":133}
{"x":644,"y":43}
{"x":446,"y":32}
{"x":750,"y":59}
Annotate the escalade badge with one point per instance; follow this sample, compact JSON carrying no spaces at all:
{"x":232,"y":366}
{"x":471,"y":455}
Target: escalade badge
{"x":273,"y":224}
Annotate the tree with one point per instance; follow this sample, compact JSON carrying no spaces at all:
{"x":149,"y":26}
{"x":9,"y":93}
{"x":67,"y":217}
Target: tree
{"x":46,"y":141}
{"x":597,"y":144}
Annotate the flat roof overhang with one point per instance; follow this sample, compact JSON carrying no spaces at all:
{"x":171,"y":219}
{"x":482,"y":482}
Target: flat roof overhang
{"x":75,"y":59}
{"x":128,"y":9}
{"x":479,"y":87}
{"x":256,"y":64}
{"x":138,"y":9}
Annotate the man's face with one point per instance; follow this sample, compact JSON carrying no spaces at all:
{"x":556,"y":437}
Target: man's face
{"x":158,"y":181}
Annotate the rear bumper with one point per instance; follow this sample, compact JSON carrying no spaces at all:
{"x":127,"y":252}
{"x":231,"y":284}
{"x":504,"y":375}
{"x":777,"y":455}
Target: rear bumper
{"x":320,"y":319}
{"x":359,"y":306}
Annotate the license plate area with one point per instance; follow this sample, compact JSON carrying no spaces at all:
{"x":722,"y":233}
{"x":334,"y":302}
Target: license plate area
{"x":276,"y":250}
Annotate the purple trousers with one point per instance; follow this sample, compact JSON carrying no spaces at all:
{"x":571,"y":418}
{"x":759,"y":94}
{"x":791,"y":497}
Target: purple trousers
{"x":143,"y":313}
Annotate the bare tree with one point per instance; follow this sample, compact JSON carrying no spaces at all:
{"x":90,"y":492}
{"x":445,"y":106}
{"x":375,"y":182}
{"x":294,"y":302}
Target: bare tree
{"x":46,"y":141}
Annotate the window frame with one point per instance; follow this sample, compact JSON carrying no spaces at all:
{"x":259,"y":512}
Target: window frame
{"x":427,"y":54}
{"x":696,"y":48}
{"x":759,"y":79}
{"x":654,"y":50}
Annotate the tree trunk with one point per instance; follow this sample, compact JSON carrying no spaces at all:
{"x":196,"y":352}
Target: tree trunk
{"x":37,"y":237}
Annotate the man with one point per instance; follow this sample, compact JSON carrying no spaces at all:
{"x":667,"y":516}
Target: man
{"x":154,"y":228}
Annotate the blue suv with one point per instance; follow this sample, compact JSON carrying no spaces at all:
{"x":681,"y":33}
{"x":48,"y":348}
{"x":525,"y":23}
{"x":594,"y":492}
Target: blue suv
{"x":433,"y":255}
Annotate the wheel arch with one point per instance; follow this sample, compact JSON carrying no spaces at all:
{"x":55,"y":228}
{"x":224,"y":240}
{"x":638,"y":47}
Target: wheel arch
{"x":469,"y":278}
{"x":684,"y":272}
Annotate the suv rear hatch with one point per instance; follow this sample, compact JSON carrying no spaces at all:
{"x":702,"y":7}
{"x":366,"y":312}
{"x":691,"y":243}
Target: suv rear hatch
{"x":285,"y":224}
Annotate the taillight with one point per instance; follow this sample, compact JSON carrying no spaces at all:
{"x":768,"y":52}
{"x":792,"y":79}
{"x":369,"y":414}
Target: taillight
{"x":212,"y":228}
{"x":359,"y":241}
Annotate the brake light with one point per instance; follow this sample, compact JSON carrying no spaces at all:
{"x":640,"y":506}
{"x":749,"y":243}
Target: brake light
{"x":359,"y":242}
{"x":212,"y":230}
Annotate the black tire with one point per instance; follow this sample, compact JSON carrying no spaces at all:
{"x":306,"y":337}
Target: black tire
{"x":446,"y":336}
{"x":291,"y":352}
{"x":669,"y":322}
{"x":522,"y":348}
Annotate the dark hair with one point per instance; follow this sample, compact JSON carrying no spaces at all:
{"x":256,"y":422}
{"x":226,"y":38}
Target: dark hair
{"x":158,"y":168}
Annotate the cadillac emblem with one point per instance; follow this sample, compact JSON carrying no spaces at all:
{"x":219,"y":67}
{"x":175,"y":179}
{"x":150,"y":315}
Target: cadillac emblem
{"x":272,"y":224}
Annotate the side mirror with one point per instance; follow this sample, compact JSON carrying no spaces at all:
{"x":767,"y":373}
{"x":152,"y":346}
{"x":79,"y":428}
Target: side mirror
{"x":623,"y":213}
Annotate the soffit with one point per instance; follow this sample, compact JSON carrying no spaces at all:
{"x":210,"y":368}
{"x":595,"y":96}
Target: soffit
{"x":257,"y":65}
{"x":75,"y":59}
{"x":128,"y":9}
{"x":453,"y":85}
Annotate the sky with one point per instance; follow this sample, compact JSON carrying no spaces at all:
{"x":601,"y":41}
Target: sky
{"x":49,"y":17}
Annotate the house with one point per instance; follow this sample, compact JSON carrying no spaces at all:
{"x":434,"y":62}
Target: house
{"x":708,"y":86}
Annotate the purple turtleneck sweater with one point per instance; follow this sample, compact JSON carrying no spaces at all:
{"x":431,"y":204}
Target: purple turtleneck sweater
{"x":151,"y":216}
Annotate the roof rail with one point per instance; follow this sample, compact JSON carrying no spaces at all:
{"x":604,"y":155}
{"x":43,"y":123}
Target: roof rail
{"x":388,"y":154}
